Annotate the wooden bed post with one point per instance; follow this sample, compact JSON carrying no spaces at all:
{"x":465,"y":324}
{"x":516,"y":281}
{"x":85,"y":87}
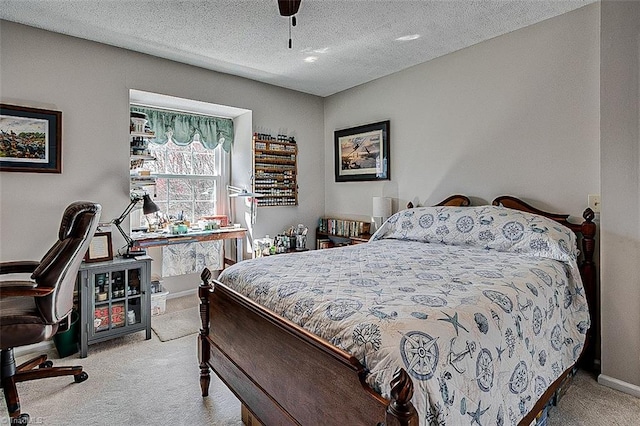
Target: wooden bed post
{"x":203,"y":345}
{"x":400,"y":411}
{"x":589,"y":278}
{"x":588,"y":230}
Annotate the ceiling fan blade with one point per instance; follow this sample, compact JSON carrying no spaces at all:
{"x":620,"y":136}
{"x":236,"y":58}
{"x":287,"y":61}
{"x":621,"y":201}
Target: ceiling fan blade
{"x":289,"y":7}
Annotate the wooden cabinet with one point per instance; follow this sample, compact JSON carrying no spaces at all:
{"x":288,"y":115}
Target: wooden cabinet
{"x":336,"y":232}
{"x":275,"y":171}
{"x":114,"y":299}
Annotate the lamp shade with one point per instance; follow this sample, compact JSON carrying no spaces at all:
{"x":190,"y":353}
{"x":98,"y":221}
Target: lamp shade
{"x":381,"y":207}
{"x":148,"y":206}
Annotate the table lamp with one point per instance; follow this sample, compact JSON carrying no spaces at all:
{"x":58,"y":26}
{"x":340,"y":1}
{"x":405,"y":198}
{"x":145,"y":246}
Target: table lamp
{"x":148,"y":207}
{"x":381,"y":209}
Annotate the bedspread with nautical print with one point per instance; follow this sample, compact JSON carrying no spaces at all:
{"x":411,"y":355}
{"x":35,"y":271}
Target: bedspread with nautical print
{"x":482,"y":331}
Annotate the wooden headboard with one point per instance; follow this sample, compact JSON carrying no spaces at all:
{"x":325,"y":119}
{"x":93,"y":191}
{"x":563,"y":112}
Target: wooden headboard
{"x":454,"y":201}
{"x":586,"y":232}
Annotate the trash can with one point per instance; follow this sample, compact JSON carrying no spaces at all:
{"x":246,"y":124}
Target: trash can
{"x":159,"y":301}
{"x":66,"y":341}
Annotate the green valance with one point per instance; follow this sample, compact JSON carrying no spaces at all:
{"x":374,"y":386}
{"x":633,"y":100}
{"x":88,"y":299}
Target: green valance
{"x":181,"y":128}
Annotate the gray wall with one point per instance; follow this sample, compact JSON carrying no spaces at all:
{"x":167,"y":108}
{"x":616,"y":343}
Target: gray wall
{"x":518,"y":114}
{"x":620,"y":231}
{"x":89,"y":82}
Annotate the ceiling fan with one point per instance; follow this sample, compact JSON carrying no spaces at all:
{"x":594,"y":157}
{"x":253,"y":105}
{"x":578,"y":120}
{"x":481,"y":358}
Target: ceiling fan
{"x":288,"y":8}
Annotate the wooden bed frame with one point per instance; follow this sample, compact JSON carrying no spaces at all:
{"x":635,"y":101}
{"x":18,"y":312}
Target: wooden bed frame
{"x":285,"y":375}
{"x":456,"y":200}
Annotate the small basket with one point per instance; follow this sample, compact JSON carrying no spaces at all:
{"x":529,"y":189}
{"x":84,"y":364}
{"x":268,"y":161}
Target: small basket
{"x":159,"y":302}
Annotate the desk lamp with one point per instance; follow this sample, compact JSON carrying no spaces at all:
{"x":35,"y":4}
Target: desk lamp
{"x":235,"y":192}
{"x":148,"y":207}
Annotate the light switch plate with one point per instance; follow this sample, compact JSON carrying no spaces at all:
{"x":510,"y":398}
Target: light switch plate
{"x":594,"y":202}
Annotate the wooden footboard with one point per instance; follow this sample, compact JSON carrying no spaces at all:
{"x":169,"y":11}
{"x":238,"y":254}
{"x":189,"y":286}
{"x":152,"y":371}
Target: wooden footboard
{"x":284,"y":374}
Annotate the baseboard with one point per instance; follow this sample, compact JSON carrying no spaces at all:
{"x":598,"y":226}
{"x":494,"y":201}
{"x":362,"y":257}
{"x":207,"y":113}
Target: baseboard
{"x":619,"y":385}
{"x":182,"y":293}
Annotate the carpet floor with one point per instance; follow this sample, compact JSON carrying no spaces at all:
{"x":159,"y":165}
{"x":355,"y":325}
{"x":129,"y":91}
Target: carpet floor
{"x":175,"y":325}
{"x":133,"y":381}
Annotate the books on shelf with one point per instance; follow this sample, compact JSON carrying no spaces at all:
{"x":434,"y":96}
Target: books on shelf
{"x":323,"y":243}
{"x":343,"y":228}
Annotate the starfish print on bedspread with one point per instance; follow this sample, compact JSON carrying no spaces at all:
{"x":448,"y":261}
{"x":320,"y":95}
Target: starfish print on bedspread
{"x":475,"y":415}
{"x":454,"y":321}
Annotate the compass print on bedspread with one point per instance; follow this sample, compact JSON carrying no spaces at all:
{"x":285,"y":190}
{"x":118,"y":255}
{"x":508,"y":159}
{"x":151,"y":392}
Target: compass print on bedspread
{"x":420,"y":354}
{"x":519,"y":378}
{"x":340,"y":309}
{"x":484,"y":370}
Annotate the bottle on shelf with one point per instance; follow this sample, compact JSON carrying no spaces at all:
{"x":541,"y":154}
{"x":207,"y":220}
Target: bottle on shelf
{"x":275,"y":170}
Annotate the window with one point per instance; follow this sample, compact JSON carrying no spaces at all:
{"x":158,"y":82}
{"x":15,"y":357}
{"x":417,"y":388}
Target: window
{"x":187,"y":179}
{"x":192,"y":146}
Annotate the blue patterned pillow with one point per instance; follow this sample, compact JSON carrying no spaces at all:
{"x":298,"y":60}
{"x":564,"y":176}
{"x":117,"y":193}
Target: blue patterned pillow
{"x":490,"y":227}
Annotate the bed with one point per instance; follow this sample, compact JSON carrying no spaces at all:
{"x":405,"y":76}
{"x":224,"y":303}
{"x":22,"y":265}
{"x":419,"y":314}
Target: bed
{"x":449,"y":315}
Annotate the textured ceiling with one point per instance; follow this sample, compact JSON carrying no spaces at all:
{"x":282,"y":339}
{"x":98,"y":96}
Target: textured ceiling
{"x":354,"y":41}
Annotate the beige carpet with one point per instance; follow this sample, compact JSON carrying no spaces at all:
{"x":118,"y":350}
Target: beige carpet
{"x":133,"y":381}
{"x":177,"y":324}
{"x":588,"y":403}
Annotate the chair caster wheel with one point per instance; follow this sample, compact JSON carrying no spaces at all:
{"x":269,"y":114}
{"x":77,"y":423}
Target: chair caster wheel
{"x":79,"y":378}
{"x":22,"y":419}
{"x":46,"y":364}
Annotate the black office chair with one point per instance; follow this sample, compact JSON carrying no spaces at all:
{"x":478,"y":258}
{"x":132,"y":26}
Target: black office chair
{"x":31,"y":310}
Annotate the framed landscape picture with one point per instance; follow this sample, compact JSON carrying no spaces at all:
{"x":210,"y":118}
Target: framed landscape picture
{"x":30,"y":139}
{"x":362,"y":153}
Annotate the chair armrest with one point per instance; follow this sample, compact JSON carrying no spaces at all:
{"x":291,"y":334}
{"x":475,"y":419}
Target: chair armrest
{"x":18,"y":267}
{"x":23,"y":288}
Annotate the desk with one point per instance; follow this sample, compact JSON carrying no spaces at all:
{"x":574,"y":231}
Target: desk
{"x":156,"y":239}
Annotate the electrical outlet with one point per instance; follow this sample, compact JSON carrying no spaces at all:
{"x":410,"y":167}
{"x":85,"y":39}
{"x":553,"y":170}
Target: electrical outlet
{"x":594,"y":202}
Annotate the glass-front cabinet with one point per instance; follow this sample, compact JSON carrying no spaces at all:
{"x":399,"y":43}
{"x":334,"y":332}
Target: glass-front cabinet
{"x":115,"y":299}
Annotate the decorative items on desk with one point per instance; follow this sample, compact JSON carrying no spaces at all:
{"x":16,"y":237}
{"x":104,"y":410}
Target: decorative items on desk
{"x":178,"y":228}
{"x":212,"y":225}
{"x":180,"y":224}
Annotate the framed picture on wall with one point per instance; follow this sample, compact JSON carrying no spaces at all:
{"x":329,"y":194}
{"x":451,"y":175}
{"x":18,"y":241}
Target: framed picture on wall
{"x":30,"y":139}
{"x":362,"y":153}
